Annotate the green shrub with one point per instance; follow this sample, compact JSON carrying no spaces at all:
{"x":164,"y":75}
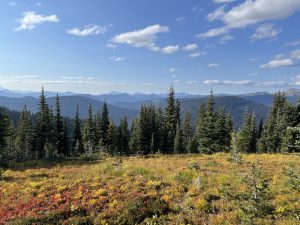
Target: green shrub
{"x":138,"y":209}
{"x":89,"y":157}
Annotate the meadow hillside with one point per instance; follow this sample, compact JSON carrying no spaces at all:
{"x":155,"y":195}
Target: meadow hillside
{"x":154,"y":189}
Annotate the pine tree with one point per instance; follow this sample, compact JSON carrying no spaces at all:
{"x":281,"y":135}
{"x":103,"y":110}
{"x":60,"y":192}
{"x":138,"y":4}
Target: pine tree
{"x":43,"y":127}
{"x":24,"y":136}
{"x":104,"y":126}
{"x":135,"y":140}
{"x":178,"y":148}
{"x":171,"y":119}
{"x":247,"y":136}
{"x":281,"y":116}
{"x":206,"y":129}
{"x":89,"y":132}
{"x":59,"y":128}
{"x":112,"y":138}
{"x":123,"y":137}
{"x":4,"y":133}
{"x":187,"y":133}
{"x":77,"y":144}
{"x":66,"y":142}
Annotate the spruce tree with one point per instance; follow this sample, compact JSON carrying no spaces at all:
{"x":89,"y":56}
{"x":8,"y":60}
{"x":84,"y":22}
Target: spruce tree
{"x":123,"y":137}
{"x":4,"y":132}
{"x":66,"y":141}
{"x":24,"y":136}
{"x":171,"y":119}
{"x":178,"y":148}
{"x":77,"y":144}
{"x":187,"y":133}
{"x":206,"y":130}
{"x":89,"y":132}
{"x":59,"y":128}
{"x":135,"y":140}
{"x":112,"y":138}
{"x":104,"y":126}
{"x":246,"y":136}
{"x":43,"y":127}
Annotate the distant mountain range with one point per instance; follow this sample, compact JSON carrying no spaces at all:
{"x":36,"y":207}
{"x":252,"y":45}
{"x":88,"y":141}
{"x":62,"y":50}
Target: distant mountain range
{"x":124,"y":104}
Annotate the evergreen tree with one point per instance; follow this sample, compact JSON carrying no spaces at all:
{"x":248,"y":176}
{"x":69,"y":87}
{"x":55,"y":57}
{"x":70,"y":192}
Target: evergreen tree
{"x":187,"y":133}
{"x":43,"y":127}
{"x":4,"y":132}
{"x":24,"y":136}
{"x":77,"y":144}
{"x":104,"y":126}
{"x":123,"y":137}
{"x":59,"y":128}
{"x":135,"y":140}
{"x":112,"y":138}
{"x":171,"y":119}
{"x":89,"y":132}
{"x":281,"y":116}
{"x":178,"y":148}
{"x":246,"y":136}
{"x":207,"y":137}
{"x":66,"y":144}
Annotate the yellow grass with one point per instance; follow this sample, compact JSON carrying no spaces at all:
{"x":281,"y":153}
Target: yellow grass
{"x":185,"y":189}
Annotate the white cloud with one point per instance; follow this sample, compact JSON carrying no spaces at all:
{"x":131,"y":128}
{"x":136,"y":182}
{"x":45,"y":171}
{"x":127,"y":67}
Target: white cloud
{"x":31,"y":19}
{"x":212,"y":65}
{"x":176,"y":81}
{"x":13,"y":4}
{"x":87,"y":30}
{"x":277,"y":63}
{"x":38,"y":4}
{"x":264,"y":31}
{"x":190,"y":47}
{"x":110,"y":45}
{"x":172,"y":70}
{"x":213,"y":33}
{"x":197,"y":54}
{"x":169,"y":49}
{"x":226,"y":38}
{"x":223,"y":1}
{"x":179,"y":19}
{"x":190,"y":82}
{"x":228,"y":82}
{"x":295,"y":54}
{"x":252,"y":12}
{"x":141,"y":38}
{"x":145,"y":38}
{"x":217,"y":14}
{"x":117,"y":58}
{"x":292,"y":43}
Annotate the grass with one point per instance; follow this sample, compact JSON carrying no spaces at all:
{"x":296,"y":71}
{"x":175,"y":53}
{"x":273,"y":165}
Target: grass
{"x":185,"y":189}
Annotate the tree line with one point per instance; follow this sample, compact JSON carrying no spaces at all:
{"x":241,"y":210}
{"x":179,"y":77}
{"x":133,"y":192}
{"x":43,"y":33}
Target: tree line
{"x":49,"y":135}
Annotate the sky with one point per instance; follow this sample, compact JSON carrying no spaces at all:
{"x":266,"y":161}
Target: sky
{"x":101,"y":46}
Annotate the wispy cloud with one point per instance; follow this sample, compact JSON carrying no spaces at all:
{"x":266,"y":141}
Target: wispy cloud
{"x":265,"y":31}
{"x":30,"y":20}
{"x":88,"y":30}
{"x":117,"y":58}
{"x":197,"y":54}
{"x":190,"y":47}
{"x":172,"y":70}
{"x":213,"y":65}
{"x":292,"y":43}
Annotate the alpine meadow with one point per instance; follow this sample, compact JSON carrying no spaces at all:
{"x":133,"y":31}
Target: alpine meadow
{"x":149,"y":112}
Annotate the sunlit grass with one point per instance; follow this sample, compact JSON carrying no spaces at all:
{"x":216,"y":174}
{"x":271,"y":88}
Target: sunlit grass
{"x":172,"y":189}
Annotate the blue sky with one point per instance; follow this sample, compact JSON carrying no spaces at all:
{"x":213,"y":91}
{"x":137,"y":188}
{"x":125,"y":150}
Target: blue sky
{"x":99,"y":46}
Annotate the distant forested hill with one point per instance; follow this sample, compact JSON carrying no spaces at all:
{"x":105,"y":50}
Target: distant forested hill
{"x":233,"y":104}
